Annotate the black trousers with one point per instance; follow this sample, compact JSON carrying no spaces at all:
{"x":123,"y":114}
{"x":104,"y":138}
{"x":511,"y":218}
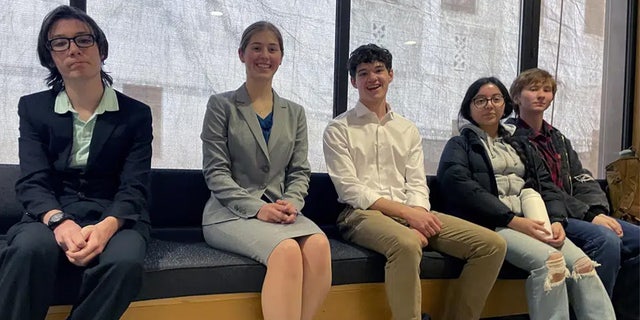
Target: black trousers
{"x":32,"y":262}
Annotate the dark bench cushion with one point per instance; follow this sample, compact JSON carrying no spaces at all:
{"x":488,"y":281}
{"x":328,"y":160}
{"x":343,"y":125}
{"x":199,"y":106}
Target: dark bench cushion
{"x":179,"y":263}
{"x":181,"y":269}
{"x":174,"y":269}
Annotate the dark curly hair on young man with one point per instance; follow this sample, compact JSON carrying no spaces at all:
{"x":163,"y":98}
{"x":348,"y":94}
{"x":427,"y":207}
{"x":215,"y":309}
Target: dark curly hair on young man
{"x":366,"y":54}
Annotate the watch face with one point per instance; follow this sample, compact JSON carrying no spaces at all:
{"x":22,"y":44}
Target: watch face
{"x":55,"y":218}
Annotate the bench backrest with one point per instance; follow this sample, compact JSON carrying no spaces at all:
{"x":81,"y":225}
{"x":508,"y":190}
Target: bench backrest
{"x":178,"y":197}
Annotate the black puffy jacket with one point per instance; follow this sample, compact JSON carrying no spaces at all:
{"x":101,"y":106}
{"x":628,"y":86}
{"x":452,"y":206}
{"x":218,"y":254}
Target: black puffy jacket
{"x":466,"y":178}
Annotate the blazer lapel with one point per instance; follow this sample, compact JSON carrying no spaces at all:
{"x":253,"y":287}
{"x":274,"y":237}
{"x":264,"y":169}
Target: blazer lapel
{"x":105,"y":124}
{"x":280,"y":120}
{"x":243,"y":103}
{"x":62,"y":127}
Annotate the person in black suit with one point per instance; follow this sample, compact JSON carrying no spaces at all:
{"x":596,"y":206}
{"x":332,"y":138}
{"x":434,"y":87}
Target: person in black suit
{"x":85,"y":157}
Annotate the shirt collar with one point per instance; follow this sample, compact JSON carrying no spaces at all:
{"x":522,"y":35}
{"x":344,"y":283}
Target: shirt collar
{"x":544,"y":131}
{"x":546,"y":128}
{"x":362,"y":110}
{"x":108,"y":102}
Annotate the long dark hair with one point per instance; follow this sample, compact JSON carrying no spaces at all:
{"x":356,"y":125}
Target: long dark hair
{"x":54,"y":79}
{"x":465,"y":106}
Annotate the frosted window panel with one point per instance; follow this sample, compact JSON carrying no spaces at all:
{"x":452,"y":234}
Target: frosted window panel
{"x":577,"y":64}
{"x":439,"y":48}
{"x":188,"y":51}
{"x":20,"y":69}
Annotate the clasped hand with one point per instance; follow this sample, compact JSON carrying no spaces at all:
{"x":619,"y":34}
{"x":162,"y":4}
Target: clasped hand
{"x":536,"y":229}
{"x":82,"y":244}
{"x":282,"y":211}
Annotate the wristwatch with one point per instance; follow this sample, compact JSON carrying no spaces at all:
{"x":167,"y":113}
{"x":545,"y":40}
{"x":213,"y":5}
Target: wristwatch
{"x":57,"y":218}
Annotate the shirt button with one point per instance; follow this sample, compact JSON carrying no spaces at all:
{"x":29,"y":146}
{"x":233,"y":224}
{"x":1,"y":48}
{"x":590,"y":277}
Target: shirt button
{"x":265,"y":168}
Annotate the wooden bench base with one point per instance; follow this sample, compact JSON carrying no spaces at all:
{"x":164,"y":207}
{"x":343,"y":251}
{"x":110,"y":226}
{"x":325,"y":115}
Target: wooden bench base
{"x":353,"y":302}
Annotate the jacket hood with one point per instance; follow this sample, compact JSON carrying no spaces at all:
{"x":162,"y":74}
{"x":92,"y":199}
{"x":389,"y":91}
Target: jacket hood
{"x":504,"y":130}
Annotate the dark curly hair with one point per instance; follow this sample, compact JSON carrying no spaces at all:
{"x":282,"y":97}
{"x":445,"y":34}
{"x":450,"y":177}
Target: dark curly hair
{"x":366,"y":54}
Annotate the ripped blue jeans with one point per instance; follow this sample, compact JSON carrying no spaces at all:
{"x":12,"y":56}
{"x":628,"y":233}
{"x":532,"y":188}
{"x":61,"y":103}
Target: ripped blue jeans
{"x":558,"y":277}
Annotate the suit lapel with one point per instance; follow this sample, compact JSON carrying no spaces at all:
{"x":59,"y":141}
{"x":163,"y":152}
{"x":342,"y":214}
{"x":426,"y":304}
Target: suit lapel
{"x":105,"y":124}
{"x":280,"y":121}
{"x":62,"y":127}
{"x":243,"y":103}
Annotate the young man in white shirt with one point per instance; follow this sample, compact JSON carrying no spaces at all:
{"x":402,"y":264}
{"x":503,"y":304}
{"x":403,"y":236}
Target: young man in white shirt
{"x":374,"y":158}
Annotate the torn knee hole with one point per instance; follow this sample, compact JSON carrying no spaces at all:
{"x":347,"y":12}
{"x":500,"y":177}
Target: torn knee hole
{"x":554,"y":256}
{"x":584,"y":267}
{"x":557,"y":270}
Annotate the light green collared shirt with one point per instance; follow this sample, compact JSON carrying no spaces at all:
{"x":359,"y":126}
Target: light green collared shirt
{"x":83,"y":131}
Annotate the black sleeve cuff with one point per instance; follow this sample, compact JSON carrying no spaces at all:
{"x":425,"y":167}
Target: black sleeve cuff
{"x":508,"y":217}
{"x":594,"y":212}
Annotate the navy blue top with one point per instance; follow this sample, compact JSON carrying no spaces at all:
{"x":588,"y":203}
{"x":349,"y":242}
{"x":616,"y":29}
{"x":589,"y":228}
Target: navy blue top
{"x":266,"y":125}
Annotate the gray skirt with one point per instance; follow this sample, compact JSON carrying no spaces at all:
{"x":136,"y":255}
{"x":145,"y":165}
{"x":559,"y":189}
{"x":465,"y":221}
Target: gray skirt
{"x":255,"y":238}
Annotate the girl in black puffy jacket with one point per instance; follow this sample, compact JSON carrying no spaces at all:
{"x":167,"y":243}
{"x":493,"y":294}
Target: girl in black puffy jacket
{"x":492,"y":178}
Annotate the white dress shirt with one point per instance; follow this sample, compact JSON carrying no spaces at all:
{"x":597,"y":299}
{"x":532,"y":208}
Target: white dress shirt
{"x":368,"y":159}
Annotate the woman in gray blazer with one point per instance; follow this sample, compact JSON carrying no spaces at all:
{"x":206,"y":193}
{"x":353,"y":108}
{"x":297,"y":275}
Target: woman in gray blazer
{"x":254,"y":146}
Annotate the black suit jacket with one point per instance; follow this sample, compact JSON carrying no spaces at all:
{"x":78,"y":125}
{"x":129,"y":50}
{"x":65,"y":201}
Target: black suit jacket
{"x":115,"y":181}
{"x":466,"y":178}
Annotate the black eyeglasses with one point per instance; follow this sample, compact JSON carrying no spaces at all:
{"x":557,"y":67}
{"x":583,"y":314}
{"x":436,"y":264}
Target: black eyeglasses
{"x":481,"y":102}
{"x":62,"y":44}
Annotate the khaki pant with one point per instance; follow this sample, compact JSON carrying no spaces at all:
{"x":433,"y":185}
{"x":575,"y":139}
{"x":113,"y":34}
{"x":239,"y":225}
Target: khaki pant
{"x":482,"y":249}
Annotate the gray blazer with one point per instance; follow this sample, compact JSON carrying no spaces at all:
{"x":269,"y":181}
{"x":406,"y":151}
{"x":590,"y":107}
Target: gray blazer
{"x":240,"y":168}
